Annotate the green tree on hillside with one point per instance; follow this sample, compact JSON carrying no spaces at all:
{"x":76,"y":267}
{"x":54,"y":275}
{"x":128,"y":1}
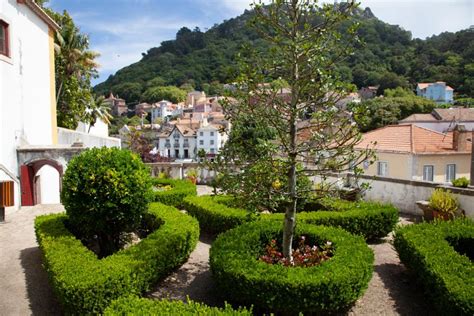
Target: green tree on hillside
{"x":170,"y":93}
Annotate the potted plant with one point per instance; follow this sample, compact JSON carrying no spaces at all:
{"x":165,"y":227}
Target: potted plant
{"x":462,"y":182}
{"x":443,"y":204}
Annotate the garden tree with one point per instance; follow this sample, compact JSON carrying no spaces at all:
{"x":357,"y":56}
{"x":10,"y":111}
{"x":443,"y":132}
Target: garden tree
{"x":389,"y":110}
{"x":390,"y":80}
{"x":305,"y":45}
{"x":398,"y":92}
{"x":141,"y":144}
{"x":170,"y":93}
{"x":105,"y":194}
{"x":75,"y":66}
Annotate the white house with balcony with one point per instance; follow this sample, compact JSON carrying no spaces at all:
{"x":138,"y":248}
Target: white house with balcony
{"x":179,"y":142}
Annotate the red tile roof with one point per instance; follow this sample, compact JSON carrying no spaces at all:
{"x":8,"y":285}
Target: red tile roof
{"x":409,"y":138}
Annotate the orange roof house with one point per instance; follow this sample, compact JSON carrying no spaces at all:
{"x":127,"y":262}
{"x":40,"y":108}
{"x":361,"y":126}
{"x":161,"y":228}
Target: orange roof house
{"x":416,"y":153}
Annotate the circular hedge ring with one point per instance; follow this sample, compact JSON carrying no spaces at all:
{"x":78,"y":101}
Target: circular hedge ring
{"x":331,"y":286}
{"x":179,"y":190}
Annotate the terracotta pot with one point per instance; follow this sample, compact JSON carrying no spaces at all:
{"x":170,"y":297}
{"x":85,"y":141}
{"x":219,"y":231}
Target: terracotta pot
{"x":445,"y":217}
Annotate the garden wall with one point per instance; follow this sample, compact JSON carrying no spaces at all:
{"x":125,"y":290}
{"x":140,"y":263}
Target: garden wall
{"x":178,"y":170}
{"x":404,"y":193}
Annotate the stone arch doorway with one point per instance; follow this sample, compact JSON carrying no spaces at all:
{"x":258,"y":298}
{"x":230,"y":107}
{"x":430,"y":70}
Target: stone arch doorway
{"x":31,"y":181}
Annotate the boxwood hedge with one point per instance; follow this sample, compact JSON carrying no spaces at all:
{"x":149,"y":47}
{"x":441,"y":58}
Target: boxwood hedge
{"x":369,"y":219}
{"x":331,"y":286}
{"x":179,"y":190}
{"x":213,"y":214}
{"x":84,"y":284}
{"x":440,"y":255}
{"x":140,"y":306}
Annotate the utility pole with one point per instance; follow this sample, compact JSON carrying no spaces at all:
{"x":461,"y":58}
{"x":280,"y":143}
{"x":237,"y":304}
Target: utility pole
{"x":472,"y":157}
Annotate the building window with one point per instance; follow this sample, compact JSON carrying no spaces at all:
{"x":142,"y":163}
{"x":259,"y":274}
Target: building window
{"x":382,"y":168}
{"x":201,"y":133}
{"x":428,"y":172}
{"x":212,"y":142}
{"x":4,"y":39}
{"x":450,"y":172}
{"x":213,"y":150}
{"x":201,"y":142}
{"x":212,"y":133}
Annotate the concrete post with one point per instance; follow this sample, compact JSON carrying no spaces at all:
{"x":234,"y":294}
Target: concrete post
{"x":472,"y":157}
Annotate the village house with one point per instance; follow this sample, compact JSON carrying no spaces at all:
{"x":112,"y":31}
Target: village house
{"x":436,"y":91}
{"x":117,"y":105}
{"x":443,"y":120}
{"x":412,"y":152}
{"x":368,"y":92}
{"x":195,"y":97}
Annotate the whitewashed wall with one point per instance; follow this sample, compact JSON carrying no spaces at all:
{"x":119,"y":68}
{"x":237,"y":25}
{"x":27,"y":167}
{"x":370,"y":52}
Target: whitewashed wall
{"x":25,"y":99}
{"x":68,"y":137}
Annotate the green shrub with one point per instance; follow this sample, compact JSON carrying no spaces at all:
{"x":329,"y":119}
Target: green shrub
{"x":179,"y":190}
{"x":84,"y":284}
{"x":462,"y":182}
{"x":141,"y":306}
{"x":105,"y":193}
{"x":213,"y":214}
{"x":444,"y":202}
{"x":371,"y":220}
{"x":331,"y":286}
{"x":429,"y":251}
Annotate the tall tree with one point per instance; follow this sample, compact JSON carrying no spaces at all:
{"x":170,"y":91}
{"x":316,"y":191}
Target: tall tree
{"x":307,"y":42}
{"x":75,"y":67}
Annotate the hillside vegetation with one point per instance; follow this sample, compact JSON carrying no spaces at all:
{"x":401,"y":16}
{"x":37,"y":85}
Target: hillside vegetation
{"x":388,"y":57}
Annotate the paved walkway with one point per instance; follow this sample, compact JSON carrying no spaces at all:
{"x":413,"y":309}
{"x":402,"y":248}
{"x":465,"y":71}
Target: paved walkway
{"x":24,"y":287}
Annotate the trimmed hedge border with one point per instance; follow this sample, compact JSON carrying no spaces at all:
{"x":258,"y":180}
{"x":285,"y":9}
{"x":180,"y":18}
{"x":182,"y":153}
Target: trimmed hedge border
{"x":84,"y":284}
{"x":214,"y":215}
{"x":371,"y":220}
{"x":142,"y":306}
{"x":174,"y":197}
{"x":428,"y":249}
{"x":332,"y":286}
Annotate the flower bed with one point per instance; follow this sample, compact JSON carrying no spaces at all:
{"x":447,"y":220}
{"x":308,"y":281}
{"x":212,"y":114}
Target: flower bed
{"x":141,"y":306}
{"x":331,"y":286}
{"x":371,"y":220}
{"x":440,"y":255}
{"x":174,"y":196}
{"x":86,"y":285}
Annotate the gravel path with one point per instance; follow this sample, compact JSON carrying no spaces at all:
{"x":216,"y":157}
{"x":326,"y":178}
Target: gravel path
{"x":25,"y":289}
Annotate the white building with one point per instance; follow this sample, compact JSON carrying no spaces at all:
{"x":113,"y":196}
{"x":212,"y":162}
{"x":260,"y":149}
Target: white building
{"x":179,"y":142}
{"x":27,"y":90}
{"x":211,"y":138}
{"x":436,"y":91}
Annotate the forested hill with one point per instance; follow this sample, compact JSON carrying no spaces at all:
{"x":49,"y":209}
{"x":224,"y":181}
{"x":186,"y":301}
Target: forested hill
{"x":389,"y":58}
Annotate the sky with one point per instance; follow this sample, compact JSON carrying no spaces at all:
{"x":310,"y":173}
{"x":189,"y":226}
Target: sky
{"x":120,"y":30}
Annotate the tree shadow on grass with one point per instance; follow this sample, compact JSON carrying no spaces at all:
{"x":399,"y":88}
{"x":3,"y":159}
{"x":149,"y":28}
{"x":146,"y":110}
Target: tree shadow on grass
{"x":405,"y":291}
{"x":40,"y":293}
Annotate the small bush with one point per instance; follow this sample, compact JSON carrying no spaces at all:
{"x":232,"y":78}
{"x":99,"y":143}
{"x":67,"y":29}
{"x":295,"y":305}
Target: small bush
{"x":331,"y":286}
{"x":105,"y":193}
{"x":86,"y":285}
{"x":444,"y":202}
{"x":462,"y":182}
{"x":429,"y":251}
{"x":141,"y":306}
{"x":371,"y":220}
{"x":179,"y":190}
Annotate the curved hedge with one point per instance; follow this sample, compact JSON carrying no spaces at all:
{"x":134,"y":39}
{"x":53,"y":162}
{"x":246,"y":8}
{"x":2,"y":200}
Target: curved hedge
{"x":142,"y":306}
{"x":433,"y":251}
{"x":213,"y":214}
{"x":174,"y":197}
{"x":331,"y":286}
{"x":84,"y":284}
{"x":371,"y":220}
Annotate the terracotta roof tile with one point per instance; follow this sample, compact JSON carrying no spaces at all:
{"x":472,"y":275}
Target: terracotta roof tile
{"x":408,"y":138}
